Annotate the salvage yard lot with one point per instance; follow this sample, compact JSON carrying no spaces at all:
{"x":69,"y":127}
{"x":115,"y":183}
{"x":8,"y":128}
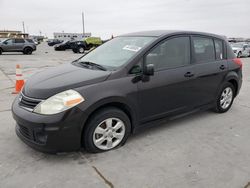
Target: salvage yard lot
{"x":201,"y":150}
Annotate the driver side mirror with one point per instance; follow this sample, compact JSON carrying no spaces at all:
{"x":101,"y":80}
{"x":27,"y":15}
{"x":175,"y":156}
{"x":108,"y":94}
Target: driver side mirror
{"x":149,"y":70}
{"x":5,"y":42}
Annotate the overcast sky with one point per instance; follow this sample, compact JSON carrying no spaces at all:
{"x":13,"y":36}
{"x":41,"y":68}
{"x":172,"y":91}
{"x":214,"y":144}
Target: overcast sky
{"x":106,"y":17}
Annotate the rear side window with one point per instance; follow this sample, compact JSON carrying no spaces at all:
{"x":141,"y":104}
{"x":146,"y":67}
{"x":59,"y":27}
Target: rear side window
{"x":218,"y":49}
{"x":203,"y":49}
{"x":19,"y":41}
{"x":171,"y":53}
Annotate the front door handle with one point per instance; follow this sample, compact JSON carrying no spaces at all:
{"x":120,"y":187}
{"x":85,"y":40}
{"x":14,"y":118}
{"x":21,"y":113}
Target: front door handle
{"x":188,"y":74}
{"x":222,"y":67}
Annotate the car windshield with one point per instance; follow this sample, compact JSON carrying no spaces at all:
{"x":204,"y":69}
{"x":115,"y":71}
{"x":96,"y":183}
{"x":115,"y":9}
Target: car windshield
{"x":65,"y":42}
{"x":237,"y":45}
{"x":116,"y":52}
{"x":2,"y":40}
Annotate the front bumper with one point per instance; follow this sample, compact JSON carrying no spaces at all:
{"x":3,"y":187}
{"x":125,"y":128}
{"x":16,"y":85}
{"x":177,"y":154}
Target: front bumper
{"x":49,"y":133}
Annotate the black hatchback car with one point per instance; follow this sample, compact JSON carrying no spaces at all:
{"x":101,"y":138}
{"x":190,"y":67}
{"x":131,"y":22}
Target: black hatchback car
{"x":130,"y":82}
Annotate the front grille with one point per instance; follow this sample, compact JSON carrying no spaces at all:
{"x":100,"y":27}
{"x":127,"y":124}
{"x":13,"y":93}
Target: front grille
{"x":25,"y":132}
{"x":27,"y":102}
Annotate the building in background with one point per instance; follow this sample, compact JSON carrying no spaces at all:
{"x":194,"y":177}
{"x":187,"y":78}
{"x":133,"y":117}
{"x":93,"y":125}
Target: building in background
{"x":39,"y":38}
{"x":13,"y":34}
{"x":71,"y":36}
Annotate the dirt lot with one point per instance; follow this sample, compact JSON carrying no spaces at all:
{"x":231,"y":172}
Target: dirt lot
{"x":201,"y":150}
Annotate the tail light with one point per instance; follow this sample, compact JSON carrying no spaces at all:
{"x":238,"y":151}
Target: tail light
{"x":238,"y":62}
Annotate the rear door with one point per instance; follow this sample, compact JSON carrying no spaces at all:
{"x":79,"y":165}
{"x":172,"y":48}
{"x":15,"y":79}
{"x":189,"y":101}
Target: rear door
{"x":19,"y":44}
{"x":169,"y":90}
{"x":210,"y":67}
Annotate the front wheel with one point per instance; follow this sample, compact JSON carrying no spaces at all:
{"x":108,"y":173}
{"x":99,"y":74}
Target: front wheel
{"x":107,"y":129}
{"x":225,"y":98}
{"x":1,"y":51}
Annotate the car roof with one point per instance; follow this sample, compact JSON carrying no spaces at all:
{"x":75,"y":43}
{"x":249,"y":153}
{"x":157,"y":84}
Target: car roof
{"x":160,"y":33}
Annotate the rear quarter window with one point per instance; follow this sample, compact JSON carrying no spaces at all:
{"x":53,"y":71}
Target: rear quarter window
{"x":219,"y":49}
{"x":203,"y":49}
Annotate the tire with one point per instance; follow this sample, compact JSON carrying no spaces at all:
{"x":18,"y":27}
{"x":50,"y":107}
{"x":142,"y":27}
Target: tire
{"x":100,"y":133}
{"x":1,"y":51}
{"x":81,"y":50}
{"x":27,"y":51}
{"x":220,"y":106}
{"x":74,"y":50}
{"x":239,"y":54}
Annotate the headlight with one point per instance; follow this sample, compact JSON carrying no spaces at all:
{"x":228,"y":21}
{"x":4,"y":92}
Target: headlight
{"x":59,"y":102}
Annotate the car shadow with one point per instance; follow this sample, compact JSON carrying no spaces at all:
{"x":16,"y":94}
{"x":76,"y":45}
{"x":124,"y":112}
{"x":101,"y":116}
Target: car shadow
{"x":169,"y":124}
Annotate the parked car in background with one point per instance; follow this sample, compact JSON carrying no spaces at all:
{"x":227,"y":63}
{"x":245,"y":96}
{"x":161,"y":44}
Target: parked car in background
{"x":241,"y":49}
{"x":54,"y":41}
{"x":17,"y":45}
{"x":86,"y":44}
{"x":64,"y":45}
{"x":130,"y":82}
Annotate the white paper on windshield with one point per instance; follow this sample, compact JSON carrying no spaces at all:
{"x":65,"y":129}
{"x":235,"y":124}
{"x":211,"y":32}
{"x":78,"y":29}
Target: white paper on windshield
{"x":131,"y":48}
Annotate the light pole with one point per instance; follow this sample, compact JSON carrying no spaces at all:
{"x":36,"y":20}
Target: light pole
{"x":23,"y":28}
{"x":83,"y":28}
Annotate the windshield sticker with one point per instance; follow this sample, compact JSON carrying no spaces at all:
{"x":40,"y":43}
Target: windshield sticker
{"x":131,"y":48}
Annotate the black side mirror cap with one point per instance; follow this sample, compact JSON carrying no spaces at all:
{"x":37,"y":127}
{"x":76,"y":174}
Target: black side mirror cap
{"x":149,"y":70}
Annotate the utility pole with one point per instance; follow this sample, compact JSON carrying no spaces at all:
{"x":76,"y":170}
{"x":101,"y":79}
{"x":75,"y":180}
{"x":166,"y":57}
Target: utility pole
{"x":23,"y":28}
{"x":83,"y":28}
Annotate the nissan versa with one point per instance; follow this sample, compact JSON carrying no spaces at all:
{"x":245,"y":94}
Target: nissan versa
{"x":130,"y":82}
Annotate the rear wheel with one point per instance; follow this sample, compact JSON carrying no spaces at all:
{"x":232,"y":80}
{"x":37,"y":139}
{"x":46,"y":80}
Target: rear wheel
{"x":225,"y":98}
{"x":27,"y":51}
{"x":239,"y":54}
{"x":81,"y":50}
{"x":107,"y":129}
{"x":1,"y":51}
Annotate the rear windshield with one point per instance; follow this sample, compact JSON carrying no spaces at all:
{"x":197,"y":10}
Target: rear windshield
{"x":30,"y":40}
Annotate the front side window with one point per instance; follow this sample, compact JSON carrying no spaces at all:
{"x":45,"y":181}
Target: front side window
{"x":219,"y":49}
{"x":203,"y":49}
{"x":171,"y":53}
{"x":117,"y":51}
{"x":9,"y":41}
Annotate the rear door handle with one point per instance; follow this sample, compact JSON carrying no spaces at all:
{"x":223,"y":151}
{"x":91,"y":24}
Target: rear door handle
{"x":222,"y":67}
{"x":188,"y":74}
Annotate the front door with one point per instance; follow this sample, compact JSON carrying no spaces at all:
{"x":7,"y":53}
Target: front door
{"x":8,"y":45}
{"x":170,"y":89}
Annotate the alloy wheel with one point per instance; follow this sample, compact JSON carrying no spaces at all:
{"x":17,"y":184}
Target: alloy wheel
{"x":81,"y":50}
{"x":226,"y":98}
{"x":109,"y":133}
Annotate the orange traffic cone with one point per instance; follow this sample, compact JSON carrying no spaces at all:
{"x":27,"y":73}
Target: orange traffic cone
{"x":19,"y":80}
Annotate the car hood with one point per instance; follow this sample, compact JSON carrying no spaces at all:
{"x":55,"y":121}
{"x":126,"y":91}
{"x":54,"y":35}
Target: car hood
{"x":54,"y":80}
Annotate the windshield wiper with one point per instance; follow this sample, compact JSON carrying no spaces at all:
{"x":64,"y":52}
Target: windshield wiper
{"x":88,"y":63}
